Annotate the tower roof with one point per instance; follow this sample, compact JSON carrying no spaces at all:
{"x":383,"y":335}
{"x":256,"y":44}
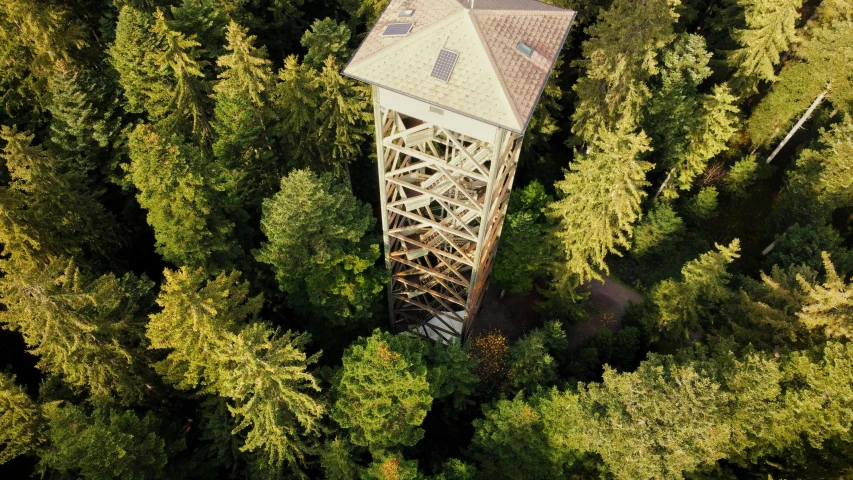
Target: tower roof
{"x":489,"y":62}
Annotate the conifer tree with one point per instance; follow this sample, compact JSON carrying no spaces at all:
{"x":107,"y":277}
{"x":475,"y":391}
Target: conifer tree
{"x":49,"y":32}
{"x":207,"y":20}
{"x":319,"y":247}
{"x":818,"y":67}
{"x":382,"y":393}
{"x":829,"y":305}
{"x":613,"y":87}
{"x":326,"y":38}
{"x":82,"y":124}
{"x":21,"y":422}
{"x":770,"y":30}
{"x":131,"y":54}
{"x":687,"y":305}
{"x":86,"y":329}
{"x":43,"y":212}
{"x":104,"y":445}
{"x":216,"y":345}
{"x":179,"y":61}
{"x":823,"y":175}
{"x":451,"y":373}
{"x":324,"y":117}
{"x":242,"y":116}
{"x":522,"y":255}
{"x":600,"y":202}
{"x":178,"y":188}
{"x":392,"y":467}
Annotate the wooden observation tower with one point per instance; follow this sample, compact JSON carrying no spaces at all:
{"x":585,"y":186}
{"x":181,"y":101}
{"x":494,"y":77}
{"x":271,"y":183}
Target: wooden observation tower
{"x":454,"y":83}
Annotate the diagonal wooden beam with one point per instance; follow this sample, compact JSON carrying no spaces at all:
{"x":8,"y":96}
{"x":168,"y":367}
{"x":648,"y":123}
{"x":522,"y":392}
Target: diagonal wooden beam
{"x":450,"y":136}
{"x":425,"y":157}
{"x":434,"y":250}
{"x":423,"y":191}
{"x":428,"y":271}
{"x":430,"y":291}
{"x":437,"y":226}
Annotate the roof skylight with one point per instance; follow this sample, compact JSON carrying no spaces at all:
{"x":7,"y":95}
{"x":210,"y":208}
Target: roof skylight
{"x":407,"y":13}
{"x":525,"y":49}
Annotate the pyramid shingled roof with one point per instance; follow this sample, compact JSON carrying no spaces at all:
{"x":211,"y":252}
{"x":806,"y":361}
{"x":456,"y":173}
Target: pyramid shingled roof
{"x":492,"y":80}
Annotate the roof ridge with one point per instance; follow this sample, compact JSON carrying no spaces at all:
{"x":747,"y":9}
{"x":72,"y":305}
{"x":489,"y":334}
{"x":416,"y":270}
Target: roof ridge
{"x":508,"y":101}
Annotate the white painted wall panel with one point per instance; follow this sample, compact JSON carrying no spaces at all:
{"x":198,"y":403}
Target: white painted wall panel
{"x":426,"y":112}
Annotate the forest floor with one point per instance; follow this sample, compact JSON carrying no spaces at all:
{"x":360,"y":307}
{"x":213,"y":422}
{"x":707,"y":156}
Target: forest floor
{"x":606,"y":305}
{"x":514,"y":315}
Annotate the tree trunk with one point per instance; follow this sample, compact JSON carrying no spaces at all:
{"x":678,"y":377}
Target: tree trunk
{"x":664,"y":184}
{"x":769,"y":248}
{"x":797,"y":126}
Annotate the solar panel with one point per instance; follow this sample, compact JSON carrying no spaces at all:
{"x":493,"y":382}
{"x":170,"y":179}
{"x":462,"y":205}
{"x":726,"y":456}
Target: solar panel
{"x":397,"y":29}
{"x":444,"y":65}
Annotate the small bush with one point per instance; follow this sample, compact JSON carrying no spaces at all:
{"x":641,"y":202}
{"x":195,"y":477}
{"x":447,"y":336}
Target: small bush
{"x":659,"y":225}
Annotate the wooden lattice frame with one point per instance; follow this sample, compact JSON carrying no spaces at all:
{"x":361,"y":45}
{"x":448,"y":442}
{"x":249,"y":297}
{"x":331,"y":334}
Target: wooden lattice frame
{"x":438,"y":188}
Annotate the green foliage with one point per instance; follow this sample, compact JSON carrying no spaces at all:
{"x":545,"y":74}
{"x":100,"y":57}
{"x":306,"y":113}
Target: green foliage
{"x":828,"y":306}
{"x":770,"y":30}
{"x":451,"y":373}
{"x":531,"y":361}
{"x":618,"y":350}
{"x":600,"y":201}
{"x":613,"y":88}
{"x":741,"y":176}
{"x":702,"y":206}
{"x":20,"y":420}
{"x":105,"y":445}
{"x":242,"y":116}
{"x":804,"y":244}
{"x":42,"y":211}
{"x":324,"y":117}
{"x":392,"y":467}
{"x":660,"y":225}
{"x":820,"y":62}
{"x":455,"y":469}
{"x":318,"y":246}
{"x":178,"y":189}
{"x":522,"y":253}
{"x":206,"y":19}
{"x":87,"y":329}
{"x":131,"y":56}
{"x":822,"y":180}
{"x":336,"y":460}
{"x":326,"y":38}
{"x":382,"y":393}
{"x":82,"y":125}
{"x":509,"y":442}
{"x":262,"y":372}
{"x":687,"y":306}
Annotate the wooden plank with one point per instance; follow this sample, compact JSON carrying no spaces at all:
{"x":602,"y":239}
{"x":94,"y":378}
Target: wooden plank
{"x":460,"y":147}
{"x":423,"y":191}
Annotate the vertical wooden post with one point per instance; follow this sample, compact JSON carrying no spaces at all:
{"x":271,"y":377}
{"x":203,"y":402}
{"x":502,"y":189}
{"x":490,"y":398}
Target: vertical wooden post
{"x":383,"y":199}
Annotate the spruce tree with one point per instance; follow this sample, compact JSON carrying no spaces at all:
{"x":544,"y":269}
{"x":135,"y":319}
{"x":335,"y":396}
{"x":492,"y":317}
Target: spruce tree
{"x":687,"y":306}
{"x":521,"y":255}
{"x":600,"y":201}
{"x":319,"y":247}
{"x":828,"y":306}
{"x":43,"y":212}
{"x":131,"y":54}
{"x":382,"y":393}
{"x":21,"y":423}
{"x":769,"y":31}
{"x":216,"y":345}
{"x":107,"y":444}
{"x":86,"y":329}
{"x":242,"y":117}
{"x":179,"y":189}
{"x":82,"y":125}
{"x":612,"y":88}
{"x":179,"y":62}
{"x":326,"y":38}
